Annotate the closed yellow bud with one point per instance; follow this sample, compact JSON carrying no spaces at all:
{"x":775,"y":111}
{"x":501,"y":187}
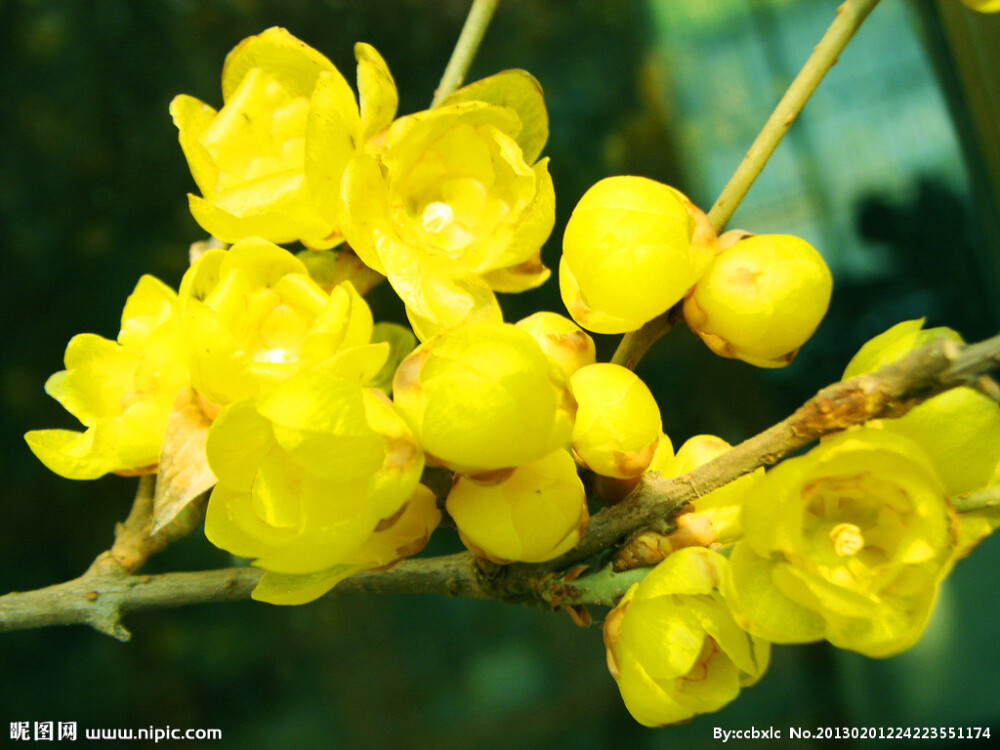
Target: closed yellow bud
{"x":482,"y":397}
{"x":761,"y":299}
{"x":719,"y":509}
{"x":536,"y":513}
{"x":673,"y":646}
{"x":568,"y":347}
{"x":618,"y":424}
{"x":632,"y":249}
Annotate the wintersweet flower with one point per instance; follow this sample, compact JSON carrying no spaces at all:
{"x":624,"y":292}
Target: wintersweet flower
{"x":403,"y":535}
{"x":984,"y":6}
{"x":847,"y":543}
{"x":632,"y":249}
{"x":451,"y":205}
{"x":959,"y":429}
{"x":122,"y":392}
{"x":535,"y":513}
{"x":308,"y":473}
{"x":617,"y":426}
{"x":713,"y":518}
{"x":567,"y":346}
{"x":483,"y":397}
{"x":253,"y":317}
{"x":761,"y":299}
{"x":673,"y":646}
{"x":269,"y":163}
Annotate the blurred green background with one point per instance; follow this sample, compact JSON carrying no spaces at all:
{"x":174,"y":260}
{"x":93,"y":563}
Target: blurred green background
{"x":892,"y":172}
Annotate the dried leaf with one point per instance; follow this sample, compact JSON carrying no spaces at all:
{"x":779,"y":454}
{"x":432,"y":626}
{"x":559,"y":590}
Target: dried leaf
{"x":184,"y":472}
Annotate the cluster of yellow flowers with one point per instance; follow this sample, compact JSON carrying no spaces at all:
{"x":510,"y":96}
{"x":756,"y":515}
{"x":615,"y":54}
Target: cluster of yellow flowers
{"x":322,"y":421}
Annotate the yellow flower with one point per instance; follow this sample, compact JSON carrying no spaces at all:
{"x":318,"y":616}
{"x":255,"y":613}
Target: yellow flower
{"x":632,"y":249}
{"x":122,"y":392}
{"x":535,"y":513}
{"x":673,"y":646}
{"x":562,"y":340}
{"x":957,"y":429}
{"x":403,"y":535}
{"x":308,"y":473}
{"x":715,"y":516}
{"x":253,"y":317}
{"x":448,"y":205}
{"x":617,"y":426}
{"x":761,"y":299}
{"x":984,"y":6}
{"x":483,"y":397}
{"x":847,"y":543}
{"x":269,"y":163}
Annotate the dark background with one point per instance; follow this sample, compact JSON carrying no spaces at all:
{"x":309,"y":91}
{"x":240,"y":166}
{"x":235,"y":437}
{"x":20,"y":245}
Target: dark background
{"x":886,"y":172}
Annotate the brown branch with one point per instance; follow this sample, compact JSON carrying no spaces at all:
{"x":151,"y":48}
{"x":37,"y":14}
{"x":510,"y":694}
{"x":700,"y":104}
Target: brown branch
{"x":107,"y":591}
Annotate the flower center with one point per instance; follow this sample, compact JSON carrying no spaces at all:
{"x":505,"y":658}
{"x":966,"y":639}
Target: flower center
{"x":847,"y":539}
{"x":436,"y":217}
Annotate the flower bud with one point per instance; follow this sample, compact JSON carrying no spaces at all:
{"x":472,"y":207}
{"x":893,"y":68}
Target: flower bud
{"x":984,"y":6}
{"x":847,"y":542}
{"x":719,"y":509}
{"x":617,"y":424}
{"x":483,"y":397}
{"x":536,"y":513}
{"x":760,"y":300}
{"x":673,"y":646}
{"x":402,"y":535}
{"x":632,"y":249}
{"x":121,"y":391}
{"x":568,"y":347}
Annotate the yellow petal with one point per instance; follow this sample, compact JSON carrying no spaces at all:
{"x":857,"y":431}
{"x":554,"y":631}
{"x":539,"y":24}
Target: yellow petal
{"x":377,"y":91}
{"x":289,"y":589}
{"x":520,"y":91}
{"x":192,"y":117}
{"x":291,"y":62}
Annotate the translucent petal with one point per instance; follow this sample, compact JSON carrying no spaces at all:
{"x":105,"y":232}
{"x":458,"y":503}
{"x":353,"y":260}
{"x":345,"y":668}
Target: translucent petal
{"x":291,"y":62}
{"x":192,"y":117}
{"x":377,"y":91}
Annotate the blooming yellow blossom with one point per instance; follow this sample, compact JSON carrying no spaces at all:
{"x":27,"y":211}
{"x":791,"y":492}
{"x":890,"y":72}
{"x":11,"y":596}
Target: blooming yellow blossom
{"x":122,"y":392}
{"x":847,"y":543}
{"x":269,"y":163}
{"x":984,"y":6}
{"x":482,"y":397}
{"x":402,"y":535}
{"x":450,"y":205}
{"x":632,"y":249}
{"x":308,"y":472}
{"x":253,"y":317}
{"x":761,"y":299}
{"x":959,"y":429}
{"x":535,"y":513}
{"x":617,"y":426}
{"x":673,"y":646}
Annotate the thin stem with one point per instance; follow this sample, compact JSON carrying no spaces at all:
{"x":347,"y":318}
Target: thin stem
{"x":106,"y":592}
{"x":465,"y":49}
{"x":848,"y":20}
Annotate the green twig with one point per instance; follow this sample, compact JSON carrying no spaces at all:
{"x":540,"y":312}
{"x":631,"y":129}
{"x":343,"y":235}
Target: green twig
{"x":465,"y":49}
{"x":849,"y":17}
